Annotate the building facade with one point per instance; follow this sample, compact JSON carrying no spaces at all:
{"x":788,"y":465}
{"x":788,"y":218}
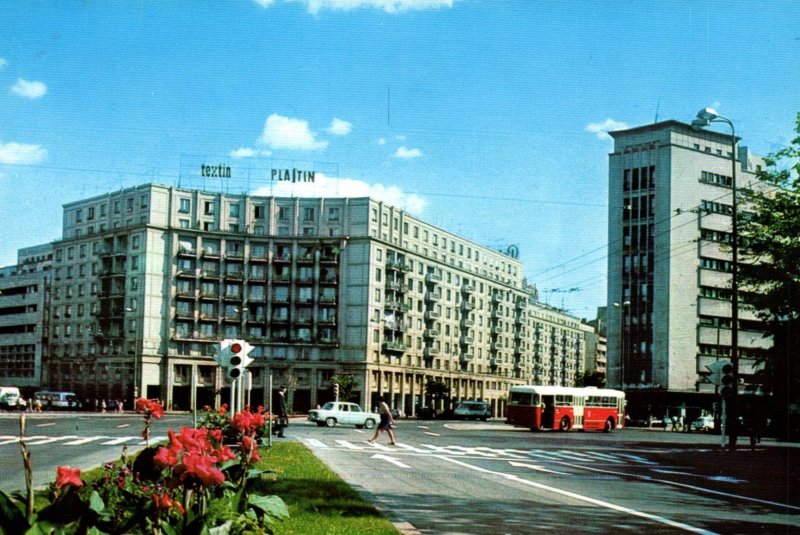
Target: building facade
{"x":24,"y":300}
{"x":146,"y":281}
{"x":669,"y":264}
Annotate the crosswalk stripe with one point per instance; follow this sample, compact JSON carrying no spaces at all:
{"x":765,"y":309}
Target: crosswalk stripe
{"x":119,"y":440}
{"x":51,"y":440}
{"x":16,"y":439}
{"x":349,"y":445}
{"x":314,"y":443}
{"x":84,"y":440}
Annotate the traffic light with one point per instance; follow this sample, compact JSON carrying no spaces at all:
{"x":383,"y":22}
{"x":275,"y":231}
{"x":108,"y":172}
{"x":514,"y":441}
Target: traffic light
{"x":234,"y":356}
{"x":727,"y":382}
{"x":715,"y":377}
{"x":336,"y":391}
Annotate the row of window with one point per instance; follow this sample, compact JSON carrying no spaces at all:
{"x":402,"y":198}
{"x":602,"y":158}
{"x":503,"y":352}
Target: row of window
{"x":259,"y":210}
{"x":100,"y":210}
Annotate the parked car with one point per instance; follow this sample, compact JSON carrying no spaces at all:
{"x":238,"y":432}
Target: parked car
{"x":342,"y":413}
{"x":473,"y":410}
{"x":704,"y":423}
{"x":8,"y":397}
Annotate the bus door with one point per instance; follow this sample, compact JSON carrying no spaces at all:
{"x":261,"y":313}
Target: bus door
{"x":548,"y":411}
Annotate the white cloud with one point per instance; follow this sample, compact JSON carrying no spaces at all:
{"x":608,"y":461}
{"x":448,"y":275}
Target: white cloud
{"x":382,"y":141}
{"x":405,"y":153}
{"x":389,"y":6}
{"x":339,"y":127}
{"x":3,"y":63}
{"x":243,"y":152}
{"x":287,"y":133}
{"x":602,"y":129}
{"x":325,"y":186}
{"x":27,"y":89}
{"x":21,"y":154}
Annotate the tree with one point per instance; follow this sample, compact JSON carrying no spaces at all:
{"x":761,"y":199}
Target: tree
{"x":436,"y":390}
{"x":770,"y":277}
{"x":594,"y":378}
{"x":347,"y":385}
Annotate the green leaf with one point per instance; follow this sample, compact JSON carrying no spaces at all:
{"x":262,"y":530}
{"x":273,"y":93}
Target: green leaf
{"x":12,"y":516}
{"x":167,"y":529}
{"x":272,"y":506}
{"x":96,"y":503}
{"x":44,"y":528}
{"x":222,"y":529}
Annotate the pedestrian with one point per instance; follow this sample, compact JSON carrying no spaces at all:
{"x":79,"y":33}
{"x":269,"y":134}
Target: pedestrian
{"x":37,"y":405}
{"x":282,"y":413}
{"x":674,"y":423}
{"x":102,"y":405}
{"x":22,"y":405}
{"x":387,"y":424}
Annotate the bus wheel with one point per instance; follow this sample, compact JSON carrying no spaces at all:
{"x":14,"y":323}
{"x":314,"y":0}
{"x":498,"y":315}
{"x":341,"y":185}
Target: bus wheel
{"x":564,"y":424}
{"x":609,"y":425}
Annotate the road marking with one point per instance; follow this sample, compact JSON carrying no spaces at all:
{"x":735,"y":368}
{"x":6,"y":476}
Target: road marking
{"x":724,"y":479}
{"x":581,"y":497}
{"x":683,"y":485}
{"x":119,"y":440}
{"x":314,"y":443}
{"x":48,"y":424}
{"x":123,"y":426}
{"x":349,"y":445}
{"x":392,"y":460}
{"x":537,"y":468}
{"x":26,"y":439}
{"x":50,"y":440}
{"x":152,"y":440}
{"x":84,"y":440}
{"x":637,"y":458}
{"x":439,"y":449}
{"x":432,"y":434}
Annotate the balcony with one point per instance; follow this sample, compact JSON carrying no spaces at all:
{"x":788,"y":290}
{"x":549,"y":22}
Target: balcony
{"x":433,"y":296}
{"x":208,"y":295}
{"x":467,"y":289}
{"x":184,"y":314}
{"x":466,"y":340}
{"x":522,"y":303}
{"x":210,"y":253}
{"x":209,"y":274}
{"x":465,"y":358}
{"x":394,"y":326}
{"x":466,"y":323}
{"x":430,"y":352}
{"x":496,"y":330}
{"x":430,"y":333}
{"x":433,"y":278}
{"x":395,"y":305}
{"x":395,"y":346}
{"x":283,"y":258}
{"x":398,"y":265}
{"x":467,"y":306}
{"x":432,"y":315}
{"x":331,"y":281}
{"x":236,"y":275}
{"x":305,"y":258}
{"x":397,"y":287}
{"x":327,"y":299}
{"x":494,"y":362}
{"x":495,"y":346}
{"x":185,"y":293}
{"x":187,"y":251}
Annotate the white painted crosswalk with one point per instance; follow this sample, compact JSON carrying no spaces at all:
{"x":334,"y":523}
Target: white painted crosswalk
{"x":75,"y":440}
{"x":454,"y":450}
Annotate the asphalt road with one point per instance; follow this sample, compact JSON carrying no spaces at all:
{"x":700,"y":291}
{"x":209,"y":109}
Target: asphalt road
{"x":488,"y":478}
{"x":84,"y":440}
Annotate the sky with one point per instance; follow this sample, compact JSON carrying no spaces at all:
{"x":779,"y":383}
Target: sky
{"x":487,"y":118}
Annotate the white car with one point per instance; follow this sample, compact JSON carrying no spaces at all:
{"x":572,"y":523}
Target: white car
{"x":343,"y":413}
{"x":704,"y":423}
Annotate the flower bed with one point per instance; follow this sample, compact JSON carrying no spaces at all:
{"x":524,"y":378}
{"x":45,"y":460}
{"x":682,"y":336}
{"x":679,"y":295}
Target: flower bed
{"x":202,"y":481}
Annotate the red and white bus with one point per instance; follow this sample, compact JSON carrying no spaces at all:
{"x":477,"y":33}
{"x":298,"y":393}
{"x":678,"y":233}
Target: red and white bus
{"x":564,"y":408}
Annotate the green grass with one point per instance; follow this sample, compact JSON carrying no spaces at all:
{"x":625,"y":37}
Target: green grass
{"x":319,"y":501}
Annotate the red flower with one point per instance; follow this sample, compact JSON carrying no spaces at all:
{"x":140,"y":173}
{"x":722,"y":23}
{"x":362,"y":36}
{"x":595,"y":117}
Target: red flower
{"x":222,"y":410}
{"x":149,"y":407}
{"x":250,"y":448}
{"x":164,"y":502}
{"x":68,"y":476}
{"x":201,"y":466}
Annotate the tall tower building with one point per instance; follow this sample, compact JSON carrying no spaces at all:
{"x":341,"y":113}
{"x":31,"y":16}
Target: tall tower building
{"x":670,"y":262}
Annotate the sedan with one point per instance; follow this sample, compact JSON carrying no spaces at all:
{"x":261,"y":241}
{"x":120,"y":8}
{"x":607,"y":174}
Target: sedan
{"x":337,"y":412}
{"x":704,"y":423}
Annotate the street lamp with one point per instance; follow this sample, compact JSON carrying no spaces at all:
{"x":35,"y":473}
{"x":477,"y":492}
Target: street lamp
{"x":622,"y":340}
{"x":705,"y":117}
{"x":136,"y":353}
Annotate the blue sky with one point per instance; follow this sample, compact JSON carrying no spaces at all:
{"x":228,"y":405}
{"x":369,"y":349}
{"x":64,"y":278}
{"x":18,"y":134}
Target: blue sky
{"x":485,"y":117}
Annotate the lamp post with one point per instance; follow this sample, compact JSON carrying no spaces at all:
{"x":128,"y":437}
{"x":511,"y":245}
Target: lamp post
{"x":704,"y":118}
{"x":622,"y":340}
{"x":136,"y":353}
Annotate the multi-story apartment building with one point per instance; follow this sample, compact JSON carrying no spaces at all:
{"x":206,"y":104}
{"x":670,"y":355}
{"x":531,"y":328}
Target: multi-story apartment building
{"x":669,"y":264}
{"x":23,"y":317}
{"x":147,"y":280}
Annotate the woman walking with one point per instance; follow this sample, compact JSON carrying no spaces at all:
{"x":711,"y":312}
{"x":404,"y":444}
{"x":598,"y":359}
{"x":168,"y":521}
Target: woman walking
{"x":387,"y":423}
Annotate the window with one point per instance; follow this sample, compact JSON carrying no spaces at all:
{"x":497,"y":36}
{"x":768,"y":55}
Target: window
{"x":333,"y":213}
{"x":78,"y":215}
{"x":102,"y":210}
{"x":184,"y":206}
{"x":258,"y":212}
{"x":183,"y":223}
{"x":283,"y":213}
{"x":90,"y":213}
{"x":308,"y":214}
{"x":144,"y":200}
{"x":233,"y":210}
{"x":129,"y":204}
{"x":209,"y":208}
